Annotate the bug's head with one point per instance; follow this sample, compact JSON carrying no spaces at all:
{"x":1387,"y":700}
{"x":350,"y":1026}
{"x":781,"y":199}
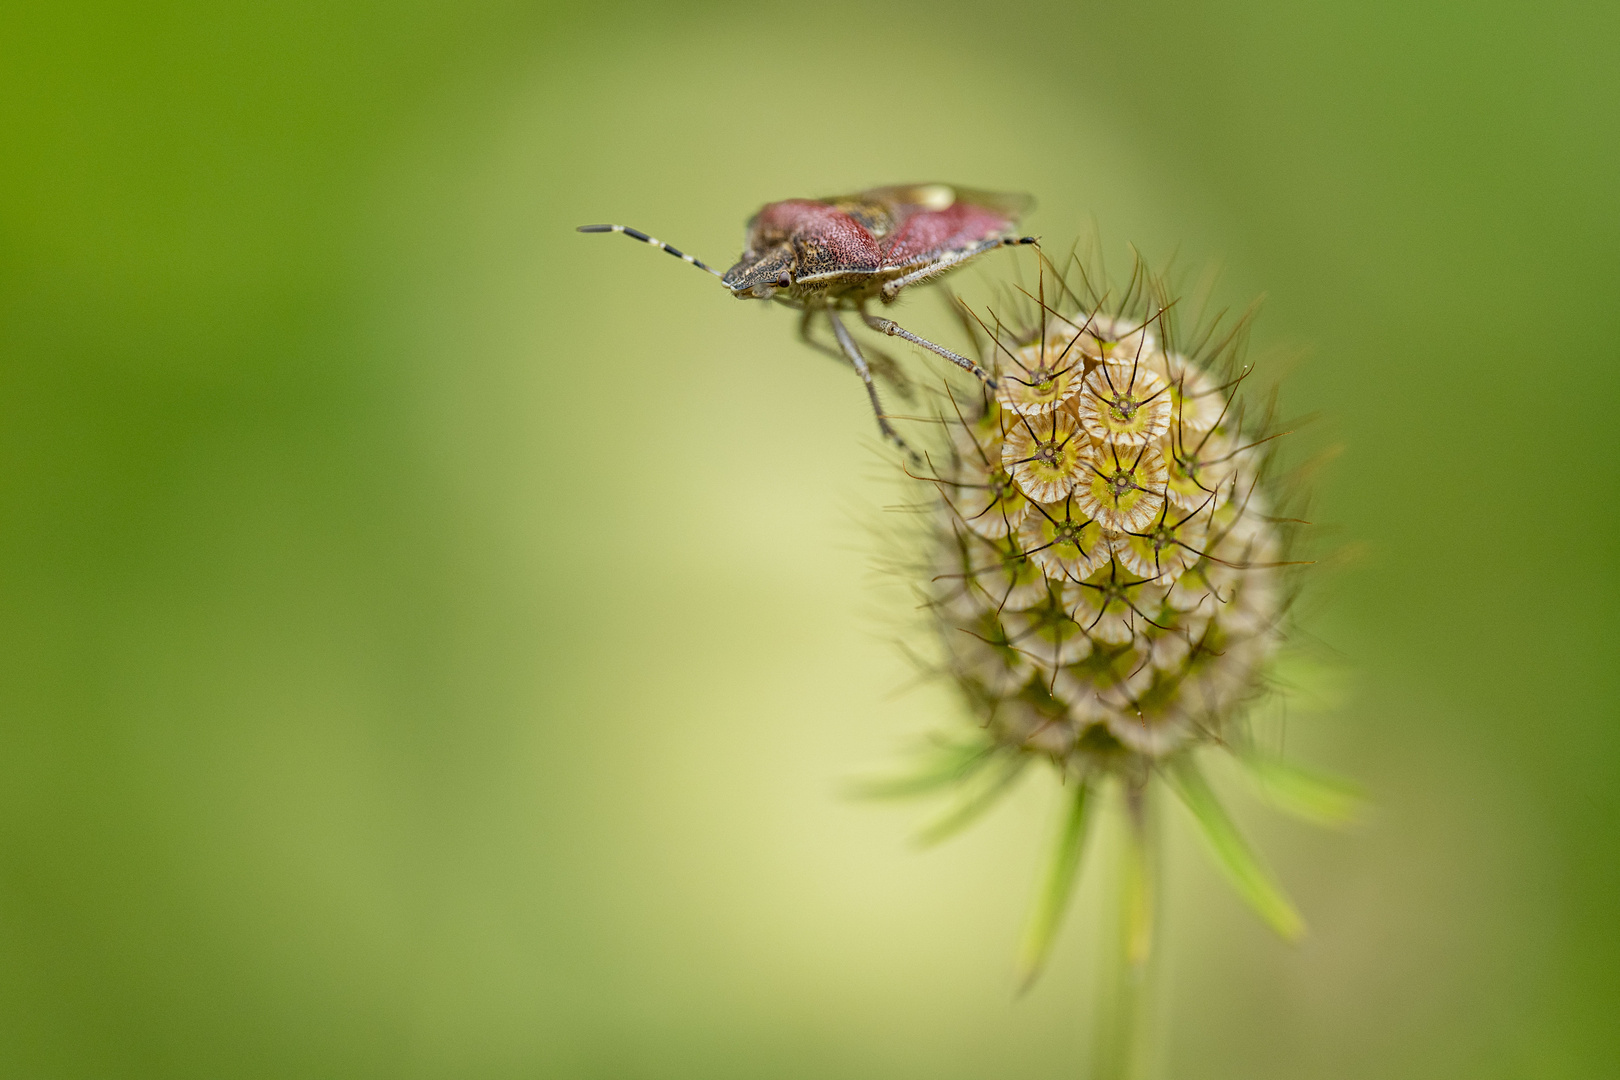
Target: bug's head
{"x":759,"y":276}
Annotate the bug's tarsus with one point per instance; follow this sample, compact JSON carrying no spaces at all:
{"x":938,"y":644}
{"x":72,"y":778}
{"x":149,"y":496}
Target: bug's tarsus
{"x":637,"y":234}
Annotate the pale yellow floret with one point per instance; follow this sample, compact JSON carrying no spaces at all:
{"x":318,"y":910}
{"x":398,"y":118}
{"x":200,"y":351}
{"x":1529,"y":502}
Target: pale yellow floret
{"x":1121,"y":683}
{"x":1051,"y":731}
{"x":1125,"y":486}
{"x":1111,"y":605}
{"x":1051,"y":735}
{"x":1240,"y":533}
{"x":971,"y":432}
{"x":1061,"y":540}
{"x":1040,"y":377}
{"x":1045,"y":455}
{"x":1254,"y":610}
{"x":1196,"y":468}
{"x":985,"y":497}
{"x":1074,"y":686}
{"x":953,"y":597}
{"x":1205,"y":589}
{"x":1125,"y":405}
{"x":1169,"y":545}
{"x":1005,"y":579}
{"x":1105,"y":337}
{"x":1154,"y":736}
{"x":982,"y":652}
{"x":1196,"y":403}
{"x":1048,"y":635}
{"x":1168,"y":649}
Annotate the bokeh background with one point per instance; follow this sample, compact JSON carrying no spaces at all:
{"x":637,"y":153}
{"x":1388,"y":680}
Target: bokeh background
{"x":433,"y":641}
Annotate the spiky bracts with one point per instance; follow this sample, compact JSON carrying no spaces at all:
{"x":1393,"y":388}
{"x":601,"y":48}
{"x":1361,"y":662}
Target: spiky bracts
{"x":1111,"y":573}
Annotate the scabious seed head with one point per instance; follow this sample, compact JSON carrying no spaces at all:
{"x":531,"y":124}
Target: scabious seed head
{"x":1109,"y":574}
{"x":1114,"y":589}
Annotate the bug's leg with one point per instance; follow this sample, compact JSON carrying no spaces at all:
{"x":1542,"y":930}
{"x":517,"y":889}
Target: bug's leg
{"x":804,"y":334}
{"x":882,"y":365}
{"x":847,"y":343}
{"x":955,"y":258}
{"x":808,"y":338}
{"x":894,"y":329}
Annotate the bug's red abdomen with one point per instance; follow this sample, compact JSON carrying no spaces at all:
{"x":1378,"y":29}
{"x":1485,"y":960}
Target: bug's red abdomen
{"x":827,"y":237}
{"x":927,"y":233}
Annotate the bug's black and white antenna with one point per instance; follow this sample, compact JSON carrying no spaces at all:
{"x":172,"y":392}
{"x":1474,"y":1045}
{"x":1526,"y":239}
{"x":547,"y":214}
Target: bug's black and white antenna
{"x":637,"y":234}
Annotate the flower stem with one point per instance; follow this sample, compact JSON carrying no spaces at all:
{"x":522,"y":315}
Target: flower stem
{"x":1124,"y":1046}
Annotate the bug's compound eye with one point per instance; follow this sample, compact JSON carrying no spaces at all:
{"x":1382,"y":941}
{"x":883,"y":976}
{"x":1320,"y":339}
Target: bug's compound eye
{"x":784,"y":281}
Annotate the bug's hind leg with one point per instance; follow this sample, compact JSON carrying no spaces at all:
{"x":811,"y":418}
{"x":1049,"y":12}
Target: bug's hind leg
{"x":847,"y":343}
{"x":883,"y":366}
{"x":894,"y":329}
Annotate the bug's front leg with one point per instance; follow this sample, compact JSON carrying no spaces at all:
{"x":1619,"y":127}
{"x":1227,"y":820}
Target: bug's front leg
{"x":894,"y":329}
{"x":847,"y":343}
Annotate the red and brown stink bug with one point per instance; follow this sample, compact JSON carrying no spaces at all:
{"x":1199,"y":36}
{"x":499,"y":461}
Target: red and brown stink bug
{"x":825,"y":256}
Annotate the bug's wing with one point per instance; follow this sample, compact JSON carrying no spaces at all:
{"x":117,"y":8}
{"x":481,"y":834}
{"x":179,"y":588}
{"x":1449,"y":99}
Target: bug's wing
{"x":917,"y":224}
{"x":883,"y":210}
{"x":936,"y":197}
{"x":1011,"y":204}
{"x":937,"y":223}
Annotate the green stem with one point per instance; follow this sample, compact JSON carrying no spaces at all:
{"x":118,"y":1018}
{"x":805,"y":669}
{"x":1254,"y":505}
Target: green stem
{"x":1124,"y":1047}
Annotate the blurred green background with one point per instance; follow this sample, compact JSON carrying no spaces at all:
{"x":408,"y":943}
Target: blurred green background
{"x":433,"y":640}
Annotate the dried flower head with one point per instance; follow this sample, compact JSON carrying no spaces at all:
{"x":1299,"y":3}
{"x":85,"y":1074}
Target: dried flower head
{"x":1113,"y":577}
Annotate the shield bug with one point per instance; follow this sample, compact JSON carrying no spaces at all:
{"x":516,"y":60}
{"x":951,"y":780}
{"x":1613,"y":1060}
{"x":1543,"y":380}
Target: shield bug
{"x":827,"y":256}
